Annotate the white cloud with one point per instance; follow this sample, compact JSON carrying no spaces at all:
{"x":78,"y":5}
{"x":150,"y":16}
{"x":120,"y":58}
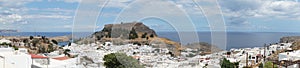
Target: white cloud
{"x":239,"y":11}
{"x":261,"y":8}
{"x":164,"y":10}
{"x":14,"y":3}
{"x":24,"y":22}
{"x":10,"y":11}
{"x":147,"y":7}
{"x":48,"y":16}
{"x":117,"y":3}
{"x":67,"y":26}
{"x":71,"y":1}
{"x":49,"y":13}
{"x":8,"y":18}
{"x":58,"y":10}
{"x":287,"y":9}
{"x":111,"y":3}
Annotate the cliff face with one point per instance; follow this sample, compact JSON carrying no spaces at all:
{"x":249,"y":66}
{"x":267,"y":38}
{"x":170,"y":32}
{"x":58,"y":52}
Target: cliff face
{"x":125,"y":31}
{"x":290,"y":39}
{"x":294,"y":39}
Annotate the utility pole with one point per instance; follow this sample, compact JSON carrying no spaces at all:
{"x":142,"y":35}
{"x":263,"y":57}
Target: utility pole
{"x":246,"y":59}
{"x":264,"y":53}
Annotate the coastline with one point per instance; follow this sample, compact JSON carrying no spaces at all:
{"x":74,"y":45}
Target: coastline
{"x":234,"y":39}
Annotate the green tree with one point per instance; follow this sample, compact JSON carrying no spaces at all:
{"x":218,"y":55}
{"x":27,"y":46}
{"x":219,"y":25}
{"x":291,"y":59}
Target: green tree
{"x":25,"y":41}
{"x":66,"y":52}
{"x":16,"y":48}
{"x":42,"y":49}
{"x":144,"y":35}
{"x":35,"y":42}
{"x":261,"y":65}
{"x":151,"y":35}
{"x":50,"y":48}
{"x":31,"y":37}
{"x":227,"y":64}
{"x":55,"y":42}
{"x":120,"y":60}
{"x":269,"y":64}
{"x":132,"y":34}
{"x":43,"y":37}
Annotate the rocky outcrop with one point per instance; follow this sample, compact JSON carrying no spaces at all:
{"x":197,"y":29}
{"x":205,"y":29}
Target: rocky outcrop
{"x":134,"y":32}
{"x":124,"y":31}
{"x":289,"y":39}
{"x":34,"y":45}
{"x":138,"y":33}
{"x":57,"y":38}
{"x":296,"y":45}
{"x":294,"y":39}
{"x":61,"y":38}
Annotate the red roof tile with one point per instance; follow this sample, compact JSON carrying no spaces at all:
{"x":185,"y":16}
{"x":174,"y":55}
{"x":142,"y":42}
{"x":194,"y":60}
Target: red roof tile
{"x":61,"y":58}
{"x":34,"y":56}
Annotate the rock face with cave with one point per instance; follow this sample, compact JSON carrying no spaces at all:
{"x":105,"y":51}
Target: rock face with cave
{"x":136,"y":33}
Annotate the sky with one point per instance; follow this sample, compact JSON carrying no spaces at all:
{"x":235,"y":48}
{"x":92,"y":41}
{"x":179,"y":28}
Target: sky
{"x":160,"y":15}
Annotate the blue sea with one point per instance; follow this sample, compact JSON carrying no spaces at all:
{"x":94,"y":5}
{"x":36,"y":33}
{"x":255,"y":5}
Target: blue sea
{"x":234,"y":39}
{"x":238,"y":39}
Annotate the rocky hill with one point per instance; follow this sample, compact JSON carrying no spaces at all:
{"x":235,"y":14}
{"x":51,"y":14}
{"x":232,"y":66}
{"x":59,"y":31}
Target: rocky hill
{"x":294,"y":39}
{"x":295,"y":46}
{"x":138,"y":33}
{"x":290,"y":39}
{"x":34,"y":44}
{"x":124,"y":31}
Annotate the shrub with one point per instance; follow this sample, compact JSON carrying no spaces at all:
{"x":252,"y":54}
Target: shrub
{"x":227,"y":64}
{"x":120,"y":60}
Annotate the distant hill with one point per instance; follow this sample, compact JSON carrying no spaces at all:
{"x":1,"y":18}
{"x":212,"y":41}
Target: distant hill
{"x":4,"y":31}
{"x":203,"y":46}
{"x":294,"y":39}
{"x":295,"y":45}
{"x":289,"y":39}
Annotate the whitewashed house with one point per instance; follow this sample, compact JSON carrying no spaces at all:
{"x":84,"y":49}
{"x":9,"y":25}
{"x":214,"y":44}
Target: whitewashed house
{"x":294,"y":55}
{"x":9,"y":58}
{"x":2,"y":41}
{"x":290,"y":56}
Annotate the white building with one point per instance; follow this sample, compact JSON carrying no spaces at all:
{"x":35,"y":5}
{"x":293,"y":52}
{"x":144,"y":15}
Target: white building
{"x":4,"y":41}
{"x":9,"y":58}
{"x":295,"y":55}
